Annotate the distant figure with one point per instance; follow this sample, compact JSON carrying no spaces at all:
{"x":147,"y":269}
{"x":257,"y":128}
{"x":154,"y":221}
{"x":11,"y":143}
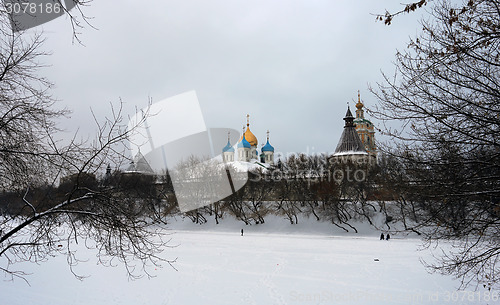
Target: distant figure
{"x":241,"y":232}
{"x":381,"y":236}
{"x":387,"y":237}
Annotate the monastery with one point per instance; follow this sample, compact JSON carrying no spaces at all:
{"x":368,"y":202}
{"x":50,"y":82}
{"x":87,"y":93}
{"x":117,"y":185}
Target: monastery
{"x":357,"y":142}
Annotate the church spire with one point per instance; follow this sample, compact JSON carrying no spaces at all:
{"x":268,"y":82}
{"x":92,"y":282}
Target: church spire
{"x":359,"y":110}
{"x":349,"y":119}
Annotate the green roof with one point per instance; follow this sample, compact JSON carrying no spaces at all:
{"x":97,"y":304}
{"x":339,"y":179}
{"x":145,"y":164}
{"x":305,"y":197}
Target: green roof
{"x":362,"y":120}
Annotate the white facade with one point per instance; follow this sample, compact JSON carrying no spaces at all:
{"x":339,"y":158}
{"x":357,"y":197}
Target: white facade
{"x":228,"y":156}
{"x":244,"y":154}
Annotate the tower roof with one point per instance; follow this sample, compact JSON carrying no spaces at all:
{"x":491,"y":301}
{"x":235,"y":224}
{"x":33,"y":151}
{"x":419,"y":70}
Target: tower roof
{"x":140,"y":165}
{"x":349,"y":140}
{"x":349,"y":119}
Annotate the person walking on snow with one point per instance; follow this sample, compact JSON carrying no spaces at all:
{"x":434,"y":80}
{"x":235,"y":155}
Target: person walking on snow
{"x":241,"y":232}
{"x":381,"y":236}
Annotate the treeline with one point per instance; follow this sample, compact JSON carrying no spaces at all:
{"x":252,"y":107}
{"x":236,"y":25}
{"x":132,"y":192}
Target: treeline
{"x":128,"y":194}
{"x":301,"y":185}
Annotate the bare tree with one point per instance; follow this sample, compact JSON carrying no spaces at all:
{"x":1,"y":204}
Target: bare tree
{"x":109,"y":219}
{"x":39,"y":218}
{"x":287,"y":186}
{"x":446,"y":95}
{"x":387,"y":17}
{"x":259,"y":192}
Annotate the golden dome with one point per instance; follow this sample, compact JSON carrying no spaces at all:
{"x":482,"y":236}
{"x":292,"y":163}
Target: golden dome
{"x":359,"y":105}
{"x":249,"y":136}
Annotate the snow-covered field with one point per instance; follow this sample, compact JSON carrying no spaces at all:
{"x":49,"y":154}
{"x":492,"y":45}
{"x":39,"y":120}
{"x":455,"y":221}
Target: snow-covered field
{"x":276,"y":263}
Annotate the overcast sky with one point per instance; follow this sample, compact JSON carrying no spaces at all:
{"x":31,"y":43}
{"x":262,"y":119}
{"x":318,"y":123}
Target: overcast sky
{"x":291,"y":65}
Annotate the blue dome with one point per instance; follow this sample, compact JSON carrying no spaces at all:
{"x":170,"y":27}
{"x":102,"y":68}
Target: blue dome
{"x":228,"y":148}
{"x":268,"y":147}
{"x":244,"y":143}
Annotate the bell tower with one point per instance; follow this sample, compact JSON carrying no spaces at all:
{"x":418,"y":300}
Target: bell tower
{"x":365,"y":129}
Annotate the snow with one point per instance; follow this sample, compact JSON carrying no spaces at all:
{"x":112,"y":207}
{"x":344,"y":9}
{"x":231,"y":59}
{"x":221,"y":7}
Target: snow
{"x":243,"y":166}
{"x":351,"y":152}
{"x":273,"y":263}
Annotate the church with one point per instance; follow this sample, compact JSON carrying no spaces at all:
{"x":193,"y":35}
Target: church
{"x":247,"y":150}
{"x":357,"y":142}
